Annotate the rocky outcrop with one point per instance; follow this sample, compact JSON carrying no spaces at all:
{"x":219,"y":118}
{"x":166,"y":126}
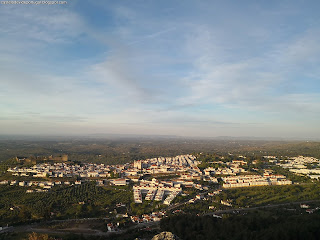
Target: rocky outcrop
{"x":165,"y":236}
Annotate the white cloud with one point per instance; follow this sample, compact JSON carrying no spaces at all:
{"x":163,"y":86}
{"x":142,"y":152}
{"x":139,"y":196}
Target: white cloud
{"x":141,"y":80}
{"x":255,"y":83}
{"x":118,"y":74}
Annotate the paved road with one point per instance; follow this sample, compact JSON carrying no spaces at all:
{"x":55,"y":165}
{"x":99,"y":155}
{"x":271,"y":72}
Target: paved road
{"x":36,"y":227}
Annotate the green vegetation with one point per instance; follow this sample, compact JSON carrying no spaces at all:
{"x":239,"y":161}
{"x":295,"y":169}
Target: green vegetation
{"x":293,"y":177}
{"x":122,"y":150}
{"x":276,"y":224}
{"x":4,"y":165}
{"x":91,"y":201}
{"x":98,"y":150}
{"x":145,"y":207}
{"x":86,"y":200}
{"x":254,"y":196}
{"x":63,"y":202}
{"x":205,"y":164}
{"x":257,"y":196}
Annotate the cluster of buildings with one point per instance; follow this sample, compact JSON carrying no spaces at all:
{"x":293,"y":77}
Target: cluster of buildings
{"x":152,"y":217}
{"x":308,"y":166}
{"x":44,"y":185}
{"x":162,"y":191}
{"x":156,"y":190}
{"x":179,"y":163}
{"x":255,"y":180}
{"x":166,"y":191}
{"x":144,"y":218}
{"x":63,"y":170}
{"x":227,"y":168}
{"x":232,"y":174}
{"x":308,"y":209}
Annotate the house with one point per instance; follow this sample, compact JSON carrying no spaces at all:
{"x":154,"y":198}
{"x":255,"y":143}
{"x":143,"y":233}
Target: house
{"x":111,"y":228}
{"x":200,"y":196}
{"x":304,"y":206}
{"x":4,"y":182}
{"x":309,"y":211}
{"x":226,"y":203}
{"x":22,"y":184}
{"x":120,"y":181}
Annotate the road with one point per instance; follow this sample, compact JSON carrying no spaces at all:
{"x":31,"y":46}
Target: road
{"x":258,"y":207}
{"x":36,"y":227}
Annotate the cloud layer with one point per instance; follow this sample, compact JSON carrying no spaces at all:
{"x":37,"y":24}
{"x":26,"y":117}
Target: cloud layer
{"x":197,"y":69}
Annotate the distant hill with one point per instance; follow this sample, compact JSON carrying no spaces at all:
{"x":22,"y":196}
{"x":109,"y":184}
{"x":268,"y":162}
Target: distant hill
{"x":121,"y":150}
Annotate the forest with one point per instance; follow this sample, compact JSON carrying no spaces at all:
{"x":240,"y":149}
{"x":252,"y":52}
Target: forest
{"x":270,"y":225}
{"x":122,"y":150}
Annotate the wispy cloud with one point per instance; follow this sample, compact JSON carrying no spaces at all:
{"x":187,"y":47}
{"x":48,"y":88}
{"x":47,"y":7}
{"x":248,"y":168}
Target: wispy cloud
{"x":43,"y":23}
{"x":197,"y":69}
{"x":120,"y":74}
{"x":256,"y":82}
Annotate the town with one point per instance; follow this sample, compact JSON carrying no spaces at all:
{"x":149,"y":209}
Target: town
{"x":183,"y":169}
{"x":156,"y":188}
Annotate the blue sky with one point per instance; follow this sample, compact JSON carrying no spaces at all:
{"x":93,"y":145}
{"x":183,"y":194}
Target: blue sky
{"x":188,"y":68}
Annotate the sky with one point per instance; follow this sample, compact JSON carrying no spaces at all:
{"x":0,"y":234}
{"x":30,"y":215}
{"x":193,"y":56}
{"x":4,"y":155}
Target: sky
{"x":169,"y":67}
